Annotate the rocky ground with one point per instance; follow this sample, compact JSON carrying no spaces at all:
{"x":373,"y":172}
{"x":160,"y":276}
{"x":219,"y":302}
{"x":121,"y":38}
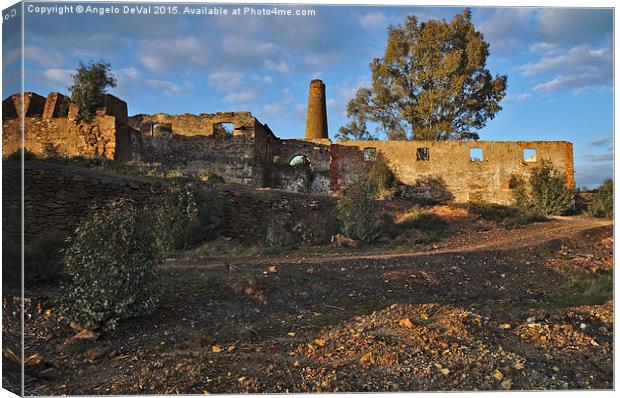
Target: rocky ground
{"x":489,"y":309}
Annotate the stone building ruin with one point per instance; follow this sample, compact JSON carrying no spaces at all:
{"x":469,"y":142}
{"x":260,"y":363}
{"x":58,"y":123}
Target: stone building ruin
{"x":248,"y":152}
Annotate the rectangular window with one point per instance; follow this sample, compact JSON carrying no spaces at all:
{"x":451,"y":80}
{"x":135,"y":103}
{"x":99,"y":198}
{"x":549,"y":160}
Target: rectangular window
{"x":422,"y":155}
{"x":370,"y":154}
{"x":529,"y":155}
{"x":475,"y":154}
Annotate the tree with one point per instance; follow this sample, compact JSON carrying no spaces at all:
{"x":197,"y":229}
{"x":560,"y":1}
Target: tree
{"x":431,"y":84}
{"x":89,"y":88}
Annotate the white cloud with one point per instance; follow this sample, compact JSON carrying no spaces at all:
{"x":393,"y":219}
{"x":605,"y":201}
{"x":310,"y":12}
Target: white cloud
{"x":62,"y":76}
{"x":504,"y":27}
{"x":129,"y":73}
{"x":523,"y":96}
{"x":226,"y":80}
{"x":277,"y":108}
{"x":542,"y":47}
{"x":43,"y":57}
{"x":280,"y":66}
{"x":165,"y":54}
{"x":170,"y":88}
{"x":373,"y":20}
{"x":577,"y":69}
{"x":599,"y":157}
{"x":241,"y":96}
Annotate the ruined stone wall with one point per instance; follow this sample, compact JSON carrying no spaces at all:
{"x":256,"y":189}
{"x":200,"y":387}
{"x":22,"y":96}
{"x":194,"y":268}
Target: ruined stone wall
{"x":449,"y":171}
{"x":313,"y":179}
{"x":58,"y":197}
{"x":197,"y":144}
{"x":50,"y":128}
{"x":190,"y":125}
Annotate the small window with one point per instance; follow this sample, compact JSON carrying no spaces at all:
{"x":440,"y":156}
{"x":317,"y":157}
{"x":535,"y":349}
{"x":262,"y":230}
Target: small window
{"x":223,"y":130}
{"x":475,"y":154}
{"x":370,"y":154}
{"x":529,"y":155}
{"x":422,"y":155}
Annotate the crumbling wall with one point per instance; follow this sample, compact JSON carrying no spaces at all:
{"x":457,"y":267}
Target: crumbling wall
{"x":313,"y":178}
{"x":449,"y":170}
{"x":51,"y":129}
{"x":196,"y":145}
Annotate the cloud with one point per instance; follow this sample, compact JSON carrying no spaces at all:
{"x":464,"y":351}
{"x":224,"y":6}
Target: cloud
{"x":62,"y":76}
{"x":504,"y":28}
{"x":277,"y":108}
{"x":373,"y":20}
{"x":226,"y":80}
{"x":128,"y":73}
{"x":165,"y":54}
{"x":280,"y":67}
{"x":577,"y":69}
{"x":601,"y":141}
{"x":599,"y":157}
{"x":523,"y":96}
{"x":43,"y":57}
{"x":170,"y":88}
{"x":574,"y":26}
{"x":593,"y":174}
{"x":242,"y":96}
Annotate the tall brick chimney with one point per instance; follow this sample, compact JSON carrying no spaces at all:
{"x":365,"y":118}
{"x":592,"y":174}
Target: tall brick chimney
{"x":316,"y":117}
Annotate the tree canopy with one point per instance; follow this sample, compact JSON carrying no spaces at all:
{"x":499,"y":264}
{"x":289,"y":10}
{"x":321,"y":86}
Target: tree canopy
{"x":430,"y":84}
{"x":89,"y":87}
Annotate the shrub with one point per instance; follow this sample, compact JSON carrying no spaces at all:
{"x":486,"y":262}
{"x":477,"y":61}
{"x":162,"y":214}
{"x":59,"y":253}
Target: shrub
{"x":184,"y":218}
{"x":602,"y":204}
{"x":382,"y":178}
{"x":111,"y":259}
{"x":547,"y":192}
{"x":506,"y":216}
{"x":278,"y":234}
{"x":434,"y":227}
{"x":357,"y":211}
{"x":17,"y":156}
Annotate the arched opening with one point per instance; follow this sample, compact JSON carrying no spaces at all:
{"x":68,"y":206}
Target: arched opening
{"x":300,"y":161}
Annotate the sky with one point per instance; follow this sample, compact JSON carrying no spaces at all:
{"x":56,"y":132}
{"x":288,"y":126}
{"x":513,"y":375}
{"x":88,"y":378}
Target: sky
{"x":559,"y":63}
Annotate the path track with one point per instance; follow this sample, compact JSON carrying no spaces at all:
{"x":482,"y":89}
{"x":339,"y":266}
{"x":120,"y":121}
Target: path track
{"x":527,"y":236}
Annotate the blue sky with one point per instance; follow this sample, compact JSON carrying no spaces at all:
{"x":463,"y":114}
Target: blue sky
{"x":559,"y":64}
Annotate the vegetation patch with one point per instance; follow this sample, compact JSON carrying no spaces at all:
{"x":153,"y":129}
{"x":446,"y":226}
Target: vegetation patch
{"x":111,"y":259}
{"x":506,"y":216}
{"x":602,"y":204}
{"x":434,"y":227}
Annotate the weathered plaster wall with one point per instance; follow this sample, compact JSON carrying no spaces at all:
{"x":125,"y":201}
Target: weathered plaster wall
{"x":449,"y":167}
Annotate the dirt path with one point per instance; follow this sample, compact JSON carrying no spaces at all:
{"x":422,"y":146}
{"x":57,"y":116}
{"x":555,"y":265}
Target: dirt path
{"x":531,"y":235}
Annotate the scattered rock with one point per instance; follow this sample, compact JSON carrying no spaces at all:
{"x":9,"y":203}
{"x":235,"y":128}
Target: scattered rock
{"x":87,"y":334}
{"x":406,"y":323}
{"x":339,"y":240}
{"x":94,"y":353}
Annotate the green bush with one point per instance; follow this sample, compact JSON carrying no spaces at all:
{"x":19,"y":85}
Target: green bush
{"x":382,"y":178}
{"x":602,"y":204}
{"x":358,"y":212}
{"x":545,"y":191}
{"x":434,"y":227}
{"x":89,"y":87}
{"x":506,"y":216}
{"x":278,"y":234}
{"x":111,"y":259}
{"x":184,"y":218}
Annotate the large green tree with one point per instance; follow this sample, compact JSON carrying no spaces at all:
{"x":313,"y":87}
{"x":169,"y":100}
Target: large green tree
{"x":89,"y":87}
{"x":430,"y":84}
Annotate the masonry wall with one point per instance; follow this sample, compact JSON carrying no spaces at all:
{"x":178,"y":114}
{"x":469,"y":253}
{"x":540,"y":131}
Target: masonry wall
{"x":50,"y":128}
{"x":313,"y":179}
{"x":195,"y":145}
{"x":58,"y":197}
{"x":449,"y":172}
